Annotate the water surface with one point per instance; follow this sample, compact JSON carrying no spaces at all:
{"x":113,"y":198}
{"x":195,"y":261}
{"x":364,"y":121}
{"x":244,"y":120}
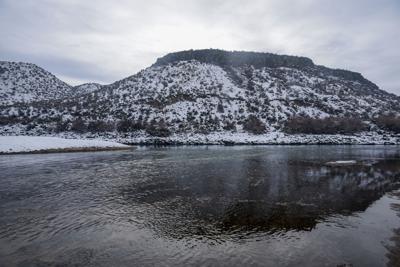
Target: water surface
{"x":209,"y":206}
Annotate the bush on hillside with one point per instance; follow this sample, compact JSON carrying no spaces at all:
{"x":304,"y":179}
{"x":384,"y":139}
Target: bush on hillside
{"x":389,"y":122}
{"x":125,"y":126}
{"x":329,"y":125}
{"x":100,"y":126}
{"x":78,"y":126}
{"x":6,"y":120}
{"x":254,"y":125}
{"x":158,"y":129}
{"x":61,"y":126}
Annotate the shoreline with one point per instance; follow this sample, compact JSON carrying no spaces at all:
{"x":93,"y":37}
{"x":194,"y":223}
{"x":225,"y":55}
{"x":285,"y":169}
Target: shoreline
{"x":22,"y":144}
{"x":72,"y":142}
{"x":132,"y":146}
{"x":67,"y":150}
{"x":177,"y":144}
{"x":232,"y":140}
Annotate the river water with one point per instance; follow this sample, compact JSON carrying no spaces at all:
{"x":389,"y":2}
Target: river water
{"x":205,"y":205}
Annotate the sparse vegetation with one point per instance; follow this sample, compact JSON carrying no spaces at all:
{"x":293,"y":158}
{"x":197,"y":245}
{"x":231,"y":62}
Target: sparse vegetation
{"x":199,"y":97}
{"x":237,"y":58}
{"x":329,"y":125}
{"x":100,"y":126}
{"x":78,"y":126}
{"x":125,"y":126}
{"x":254,"y":125}
{"x":158,"y":128}
{"x":389,"y":122}
{"x":62,"y":126}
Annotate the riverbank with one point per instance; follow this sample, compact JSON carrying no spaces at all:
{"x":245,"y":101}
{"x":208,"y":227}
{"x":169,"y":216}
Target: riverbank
{"x":41,"y":144}
{"x":273,"y":138}
{"x":231,"y":138}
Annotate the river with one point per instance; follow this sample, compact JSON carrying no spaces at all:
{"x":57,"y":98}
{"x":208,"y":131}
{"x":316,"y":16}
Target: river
{"x":202,"y":205}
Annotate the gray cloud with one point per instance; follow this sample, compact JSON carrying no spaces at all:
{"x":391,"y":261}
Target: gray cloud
{"x":104,"y":41}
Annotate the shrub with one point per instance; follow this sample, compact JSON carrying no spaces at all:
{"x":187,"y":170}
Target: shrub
{"x":230,"y":126}
{"x":5,"y":120}
{"x":61,"y":126}
{"x":212,"y":124}
{"x":329,"y":125}
{"x":78,"y":126}
{"x":31,"y":126}
{"x":220,"y":108}
{"x":124,"y":126}
{"x":158,"y":128}
{"x":254,"y":125}
{"x":129,"y":126}
{"x":100,"y":126}
{"x":389,"y":123}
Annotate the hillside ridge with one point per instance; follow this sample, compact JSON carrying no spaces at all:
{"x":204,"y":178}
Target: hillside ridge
{"x":257,"y":59}
{"x":187,"y":97}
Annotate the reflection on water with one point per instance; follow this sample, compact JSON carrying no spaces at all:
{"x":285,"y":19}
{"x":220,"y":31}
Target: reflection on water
{"x":257,"y":195}
{"x":202,"y":206}
{"x":394,"y":249}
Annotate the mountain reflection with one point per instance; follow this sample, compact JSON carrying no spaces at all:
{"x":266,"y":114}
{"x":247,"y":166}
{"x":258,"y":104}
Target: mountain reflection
{"x":256,"y":194}
{"x":393,"y":253}
{"x":202,"y":206}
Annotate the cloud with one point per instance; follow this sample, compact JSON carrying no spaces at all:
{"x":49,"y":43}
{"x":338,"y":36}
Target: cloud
{"x":104,"y":41}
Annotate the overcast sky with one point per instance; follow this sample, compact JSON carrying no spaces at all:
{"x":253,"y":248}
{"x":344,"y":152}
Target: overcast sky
{"x":104,"y":41}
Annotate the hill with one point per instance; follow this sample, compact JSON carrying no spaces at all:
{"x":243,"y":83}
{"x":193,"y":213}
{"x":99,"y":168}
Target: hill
{"x":213,"y":92}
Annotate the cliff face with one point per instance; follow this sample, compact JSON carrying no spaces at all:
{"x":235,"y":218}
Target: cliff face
{"x":236,"y":59}
{"x":257,"y":60}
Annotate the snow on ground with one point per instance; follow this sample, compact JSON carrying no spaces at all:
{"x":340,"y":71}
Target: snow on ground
{"x":341,"y":162}
{"x":271,"y":138}
{"x":216,"y":138}
{"x":22,"y":144}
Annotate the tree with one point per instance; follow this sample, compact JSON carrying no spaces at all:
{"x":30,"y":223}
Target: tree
{"x":249,"y":75}
{"x":126,"y":125}
{"x":389,"y":122}
{"x":328,"y":125}
{"x":158,"y":128}
{"x":229,"y":126}
{"x":78,"y":126}
{"x":254,"y":125}
{"x":61,"y":126}
{"x":220,"y":108}
{"x":100,"y":126}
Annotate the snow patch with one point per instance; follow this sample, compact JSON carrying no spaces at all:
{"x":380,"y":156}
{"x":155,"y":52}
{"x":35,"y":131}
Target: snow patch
{"x":20,"y":144}
{"x":342,"y":162}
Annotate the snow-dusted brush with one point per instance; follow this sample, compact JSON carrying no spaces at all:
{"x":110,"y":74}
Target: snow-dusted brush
{"x":207,"y":94}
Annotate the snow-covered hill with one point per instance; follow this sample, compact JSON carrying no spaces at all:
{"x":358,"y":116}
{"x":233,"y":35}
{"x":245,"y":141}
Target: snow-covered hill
{"x":25,"y":82}
{"x":86,"y":88}
{"x":208,"y":91}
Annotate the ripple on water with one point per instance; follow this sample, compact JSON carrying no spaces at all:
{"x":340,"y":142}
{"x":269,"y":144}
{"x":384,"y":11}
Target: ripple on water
{"x":201,"y":206}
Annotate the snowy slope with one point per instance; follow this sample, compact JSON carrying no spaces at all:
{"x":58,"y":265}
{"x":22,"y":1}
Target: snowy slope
{"x":25,"y":82}
{"x":86,"y":88}
{"x":210,"y":92}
